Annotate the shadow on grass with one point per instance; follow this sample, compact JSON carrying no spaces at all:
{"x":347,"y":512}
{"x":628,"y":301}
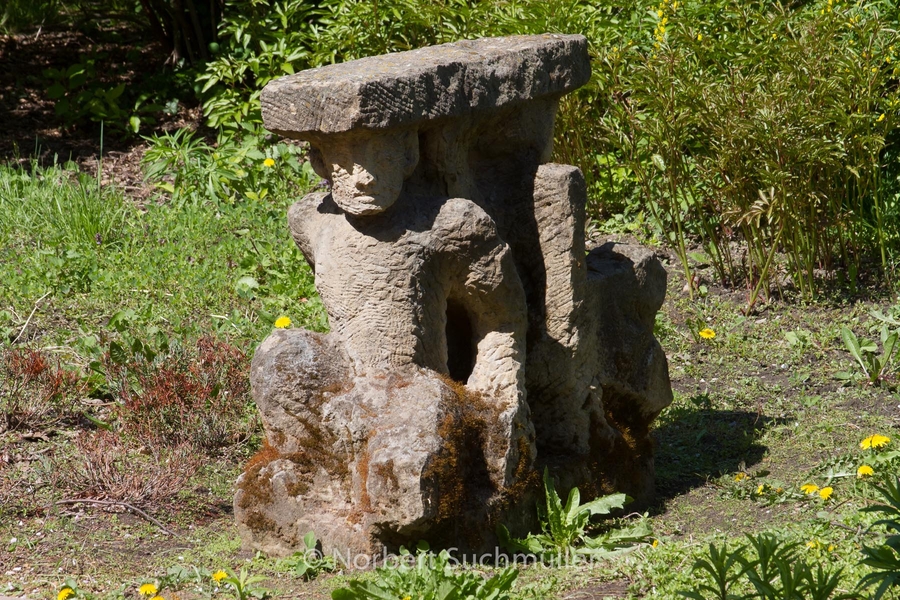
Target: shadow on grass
{"x":696,"y":443}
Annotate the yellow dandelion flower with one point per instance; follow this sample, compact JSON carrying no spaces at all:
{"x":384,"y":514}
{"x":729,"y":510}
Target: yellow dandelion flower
{"x":825,"y":493}
{"x":157,"y":598}
{"x":864,"y":471}
{"x":740,"y":476}
{"x":881,"y":118}
{"x":282,"y":322}
{"x":407,"y":597}
{"x":699,"y":37}
{"x":148,"y":589}
{"x":655,"y":543}
{"x":761,"y":488}
{"x":874,"y":441}
{"x":65,"y":593}
{"x":809,"y":488}
{"x":269,"y":162}
{"x":707,"y":334}
{"x":219,"y":575}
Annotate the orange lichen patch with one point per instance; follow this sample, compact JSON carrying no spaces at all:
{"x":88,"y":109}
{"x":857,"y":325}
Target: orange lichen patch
{"x":362,"y":469}
{"x":385,"y":472}
{"x":444,"y":471}
{"x":266,"y":454}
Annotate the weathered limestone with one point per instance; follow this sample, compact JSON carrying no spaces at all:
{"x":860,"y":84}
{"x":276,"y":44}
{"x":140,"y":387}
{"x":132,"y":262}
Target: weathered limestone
{"x":473,"y":341}
{"x":407,"y":88}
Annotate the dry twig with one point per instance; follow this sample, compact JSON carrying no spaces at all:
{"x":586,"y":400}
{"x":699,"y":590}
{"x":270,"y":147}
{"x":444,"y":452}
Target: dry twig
{"x":130,"y":507}
{"x":21,"y":331}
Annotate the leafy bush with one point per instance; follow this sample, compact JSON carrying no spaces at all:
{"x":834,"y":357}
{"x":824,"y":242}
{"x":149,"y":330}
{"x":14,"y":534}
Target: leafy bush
{"x":249,"y":167}
{"x":564,"y":536}
{"x":259,"y":41}
{"x":758,"y":121}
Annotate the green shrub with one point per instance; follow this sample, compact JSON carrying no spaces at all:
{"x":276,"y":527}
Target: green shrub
{"x":758,"y":121}
{"x":565,"y":537}
{"x":259,"y":41}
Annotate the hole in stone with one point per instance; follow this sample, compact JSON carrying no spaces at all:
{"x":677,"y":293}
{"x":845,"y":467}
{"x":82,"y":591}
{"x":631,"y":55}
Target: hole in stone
{"x":460,"y":342}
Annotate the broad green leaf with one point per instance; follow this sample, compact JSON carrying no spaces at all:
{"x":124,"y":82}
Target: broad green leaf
{"x":572,"y":507}
{"x":309,"y":540}
{"x":852,"y":345}
{"x":605,"y":504}
{"x":117,"y":354}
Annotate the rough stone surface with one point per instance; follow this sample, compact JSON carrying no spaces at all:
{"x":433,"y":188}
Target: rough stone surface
{"x":473,"y":341}
{"x":405,"y":88}
{"x":628,"y":284}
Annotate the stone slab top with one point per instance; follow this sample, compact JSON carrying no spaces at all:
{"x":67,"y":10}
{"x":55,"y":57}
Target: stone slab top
{"x":406,"y":88}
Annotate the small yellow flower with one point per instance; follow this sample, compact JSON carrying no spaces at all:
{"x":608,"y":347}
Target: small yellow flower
{"x":809,"y":488}
{"x":761,"y":488}
{"x":740,"y":476}
{"x":707,"y":333}
{"x":282,"y":322}
{"x":659,"y":13}
{"x":65,"y":593}
{"x":269,"y":162}
{"x":813,"y":544}
{"x":655,"y":543}
{"x":407,"y":597}
{"x":874,"y":441}
{"x":864,"y":471}
{"x":831,"y":547}
{"x":699,"y":37}
{"x":881,"y":118}
{"x":219,"y":575}
{"x":825,"y":493}
{"x":157,"y":598}
{"x":148,"y":589}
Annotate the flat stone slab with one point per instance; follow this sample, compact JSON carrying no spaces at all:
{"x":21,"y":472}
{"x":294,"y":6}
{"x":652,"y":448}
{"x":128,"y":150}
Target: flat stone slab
{"x":405,"y":88}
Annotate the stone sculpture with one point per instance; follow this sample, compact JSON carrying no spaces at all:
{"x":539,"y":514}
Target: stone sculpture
{"x":473,"y":341}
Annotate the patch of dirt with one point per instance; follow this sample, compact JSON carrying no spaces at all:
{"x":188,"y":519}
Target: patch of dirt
{"x":599,"y":591}
{"x":32,"y":130}
{"x":884,"y":405}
